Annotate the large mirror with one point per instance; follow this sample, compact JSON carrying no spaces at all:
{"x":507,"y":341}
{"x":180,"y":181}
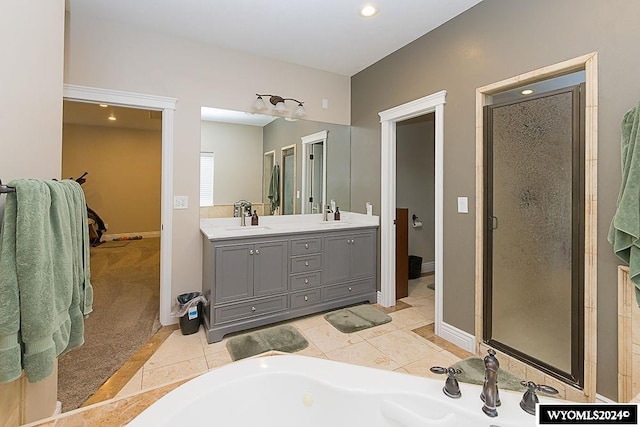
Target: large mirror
{"x":276,"y":165}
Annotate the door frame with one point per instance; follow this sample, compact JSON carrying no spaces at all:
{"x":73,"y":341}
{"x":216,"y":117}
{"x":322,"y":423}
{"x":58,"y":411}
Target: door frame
{"x":295,"y":176}
{"x":318,"y":137}
{"x":388,"y":120}
{"x":167,"y":106}
{"x":589,"y":63}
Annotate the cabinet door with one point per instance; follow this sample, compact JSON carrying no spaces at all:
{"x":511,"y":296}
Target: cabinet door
{"x":363,"y":255}
{"x":270,"y":268}
{"x":234,"y":272}
{"x":336,"y":258}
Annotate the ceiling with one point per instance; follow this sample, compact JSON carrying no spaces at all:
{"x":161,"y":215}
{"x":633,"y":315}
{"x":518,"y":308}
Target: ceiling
{"x":328,"y":35}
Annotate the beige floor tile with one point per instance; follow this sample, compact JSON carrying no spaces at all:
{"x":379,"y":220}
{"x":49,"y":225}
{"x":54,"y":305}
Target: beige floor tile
{"x":175,"y":372}
{"x":216,"y":360}
{"x":411,"y":317}
{"x":311,"y":350}
{"x":328,"y":338}
{"x":307,"y":322}
{"x":422,"y":366}
{"x":216,"y":346}
{"x":175,"y":350}
{"x":401,"y":370}
{"x":376,"y":331}
{"x":133,"y":386}
{"x":402,"y":346}
{"x":418,"y":301}
{"x":363,"y":354}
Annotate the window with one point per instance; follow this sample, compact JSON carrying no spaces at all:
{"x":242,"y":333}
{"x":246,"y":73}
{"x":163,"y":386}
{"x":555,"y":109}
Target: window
{"x":206,"y":179}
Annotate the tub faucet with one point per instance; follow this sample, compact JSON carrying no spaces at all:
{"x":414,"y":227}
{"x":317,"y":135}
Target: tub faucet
{"x":489,"y":393}
{"x":451,"y":387}
{"x":529,"y":399}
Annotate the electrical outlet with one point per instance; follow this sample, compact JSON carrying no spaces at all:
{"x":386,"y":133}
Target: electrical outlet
{"x":180,"y":202}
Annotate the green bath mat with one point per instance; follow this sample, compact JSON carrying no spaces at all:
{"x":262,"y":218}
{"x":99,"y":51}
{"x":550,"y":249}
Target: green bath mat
{"x":473,"y":373}
{"x":284,"y":338}
{"x":353,"y":319}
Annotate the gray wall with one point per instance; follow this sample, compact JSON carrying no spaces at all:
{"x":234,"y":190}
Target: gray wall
{"x":415,"y":151}
{"x":495,"y":40}
{"x":281,"y":133}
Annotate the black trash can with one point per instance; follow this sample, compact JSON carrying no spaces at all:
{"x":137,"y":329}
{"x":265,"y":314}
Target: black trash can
{"x":190,"y":321}
{"x":415,"y":266}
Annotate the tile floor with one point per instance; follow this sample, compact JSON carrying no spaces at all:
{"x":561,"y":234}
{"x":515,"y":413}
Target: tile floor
{"x":392,"y":346}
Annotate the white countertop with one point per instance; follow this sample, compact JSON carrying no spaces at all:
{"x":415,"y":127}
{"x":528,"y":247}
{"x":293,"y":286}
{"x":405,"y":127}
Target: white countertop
{"x":225,"y":228}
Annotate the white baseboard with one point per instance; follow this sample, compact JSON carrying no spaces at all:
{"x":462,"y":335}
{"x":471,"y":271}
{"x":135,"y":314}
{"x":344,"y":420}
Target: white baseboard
{"x":458,"y":337}
{"x":428,"y":267}
{"x":147,"y":234}
{"x":58,"y":409}
{"x":380,"y":297}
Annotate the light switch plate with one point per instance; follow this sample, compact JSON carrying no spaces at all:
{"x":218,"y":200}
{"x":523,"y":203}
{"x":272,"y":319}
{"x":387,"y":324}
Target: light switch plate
{"x":180,"y":202}
{"x":463,"y":205}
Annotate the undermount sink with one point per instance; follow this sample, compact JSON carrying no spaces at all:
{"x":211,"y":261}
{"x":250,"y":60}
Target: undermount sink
{"x":248,"y":228}
{"x":334,"y":223}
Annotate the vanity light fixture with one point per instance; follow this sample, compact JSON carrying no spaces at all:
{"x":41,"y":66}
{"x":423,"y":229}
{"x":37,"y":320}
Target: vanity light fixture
{"x":527,"y":92}
{"x":279,"y":106}
{"x":368,"y":10}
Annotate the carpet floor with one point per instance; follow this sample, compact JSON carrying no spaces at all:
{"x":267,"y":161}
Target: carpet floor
{"x":126,"y":288}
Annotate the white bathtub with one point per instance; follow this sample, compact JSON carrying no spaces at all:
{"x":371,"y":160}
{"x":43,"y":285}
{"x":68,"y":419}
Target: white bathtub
{"x":303,"y":391}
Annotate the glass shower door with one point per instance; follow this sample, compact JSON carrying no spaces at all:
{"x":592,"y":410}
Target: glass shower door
{"x":533,"y":250}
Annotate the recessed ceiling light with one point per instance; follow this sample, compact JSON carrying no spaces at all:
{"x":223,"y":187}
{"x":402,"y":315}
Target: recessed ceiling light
{"x":368,"y":10}
{"x":112,"y":117}
{"x":527,"y":92}
{"x":103,"y":105}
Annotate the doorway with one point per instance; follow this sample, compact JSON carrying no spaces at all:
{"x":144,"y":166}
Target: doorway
{"x":389,"y":119}
{"x":534,"y":244}
{"x":314,"y":172}
{"x":288,"y":181}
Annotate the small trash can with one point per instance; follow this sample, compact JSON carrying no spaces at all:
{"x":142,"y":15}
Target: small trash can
{"x":190,"y":321}
{"x":415,"y":266}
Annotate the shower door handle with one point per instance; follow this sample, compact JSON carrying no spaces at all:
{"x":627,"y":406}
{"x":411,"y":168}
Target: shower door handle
{"x":494,"y":223}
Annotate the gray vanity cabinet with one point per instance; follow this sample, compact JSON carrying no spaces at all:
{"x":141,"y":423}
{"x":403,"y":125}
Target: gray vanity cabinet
{"x":349,"y":256}
{"x":255,"y":281}
{"x":250,"y":270}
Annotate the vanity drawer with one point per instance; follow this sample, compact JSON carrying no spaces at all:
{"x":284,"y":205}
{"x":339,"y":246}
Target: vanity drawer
{"x":306,"y":263}
{"x":309,"y":245}
{"x":305,"y":298}
{"x":346,"y":289}
{"x":248,"y":309}
{"x":306,"y":280}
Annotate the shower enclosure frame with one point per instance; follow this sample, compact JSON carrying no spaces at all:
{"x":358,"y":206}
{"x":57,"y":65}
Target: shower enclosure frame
{"x":588,"y":63}
{"x":576,"y":374}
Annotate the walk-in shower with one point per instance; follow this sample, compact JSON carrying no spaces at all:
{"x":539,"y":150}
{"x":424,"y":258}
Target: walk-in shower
{"x":534,"y":216}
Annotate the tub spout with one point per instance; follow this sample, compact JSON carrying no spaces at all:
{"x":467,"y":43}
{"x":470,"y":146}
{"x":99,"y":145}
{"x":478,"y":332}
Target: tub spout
{"x":489,"y":393}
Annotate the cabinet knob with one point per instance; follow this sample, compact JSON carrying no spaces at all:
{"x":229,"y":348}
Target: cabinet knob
{"x":306,"y":298}
{"x":257,"y":251}
{"x":306,"y":246}
{"x":253,"y":309}
{"x":349,"y":289}
{"x":306,"y":263}
{"x":306,"y":281}
{"x":250,"y":251}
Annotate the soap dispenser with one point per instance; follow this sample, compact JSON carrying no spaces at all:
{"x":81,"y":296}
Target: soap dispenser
{"x":336,"y":215}
{"x":254,"y":218}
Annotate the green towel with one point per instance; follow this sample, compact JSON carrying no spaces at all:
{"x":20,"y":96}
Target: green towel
{"x":274,"y":188}
{"x":624,"y":232}
{"x":45,"y":276}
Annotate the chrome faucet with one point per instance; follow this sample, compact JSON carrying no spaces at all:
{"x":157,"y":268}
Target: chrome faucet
{"x":489,"y":393}
{"x":327,"y":211}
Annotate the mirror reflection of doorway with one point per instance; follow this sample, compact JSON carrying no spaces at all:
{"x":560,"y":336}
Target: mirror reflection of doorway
{"x":268,"y":163}
{"x":288,"y":181}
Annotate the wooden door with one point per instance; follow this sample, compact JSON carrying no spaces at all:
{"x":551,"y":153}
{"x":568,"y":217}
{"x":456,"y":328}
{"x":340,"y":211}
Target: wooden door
{"x":402,"y":253}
